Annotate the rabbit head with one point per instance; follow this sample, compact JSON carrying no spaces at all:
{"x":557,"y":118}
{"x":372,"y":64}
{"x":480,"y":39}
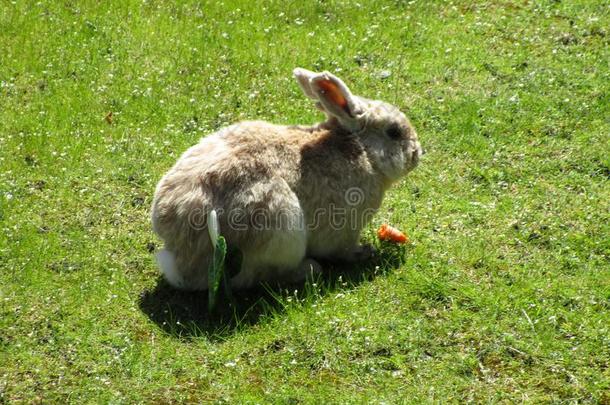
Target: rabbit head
{"x":387,"y":135}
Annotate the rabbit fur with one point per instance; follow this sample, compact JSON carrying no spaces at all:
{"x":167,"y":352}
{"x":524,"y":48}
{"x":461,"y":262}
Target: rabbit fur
{"x":285,"y":195}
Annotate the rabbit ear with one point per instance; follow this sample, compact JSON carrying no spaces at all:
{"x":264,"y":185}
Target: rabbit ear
{"x":304,"y":77}
{"x":333,"y":96}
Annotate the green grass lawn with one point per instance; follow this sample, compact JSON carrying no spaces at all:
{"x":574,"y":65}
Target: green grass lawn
{"x":503,"y":295}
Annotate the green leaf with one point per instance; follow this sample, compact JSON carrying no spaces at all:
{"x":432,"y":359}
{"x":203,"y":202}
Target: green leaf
{"x":216,"y":271}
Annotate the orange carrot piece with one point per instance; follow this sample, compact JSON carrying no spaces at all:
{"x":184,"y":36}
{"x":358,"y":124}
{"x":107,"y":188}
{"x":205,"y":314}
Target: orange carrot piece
{"x":391,"y":234}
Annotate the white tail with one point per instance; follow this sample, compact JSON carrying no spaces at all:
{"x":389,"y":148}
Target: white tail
{"x":167,"y":266}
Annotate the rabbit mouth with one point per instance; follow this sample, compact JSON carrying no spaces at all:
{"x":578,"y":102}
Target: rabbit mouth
{"x":415,"y":156}
{"x":412,"y":159}
{"x":417,"y":152}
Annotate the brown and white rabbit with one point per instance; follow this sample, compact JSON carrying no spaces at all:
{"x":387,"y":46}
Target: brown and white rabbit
{"x":284,"y":195}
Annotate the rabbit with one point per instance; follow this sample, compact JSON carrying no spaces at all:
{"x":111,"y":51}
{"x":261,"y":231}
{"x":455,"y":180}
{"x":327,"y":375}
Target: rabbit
{"x":285,"y":196}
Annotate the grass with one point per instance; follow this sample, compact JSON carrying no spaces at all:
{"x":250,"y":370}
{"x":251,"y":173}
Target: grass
{"x":503,"y":296}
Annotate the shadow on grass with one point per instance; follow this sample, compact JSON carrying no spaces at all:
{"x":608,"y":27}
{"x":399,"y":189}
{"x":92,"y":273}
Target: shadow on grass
{"x":185,"y":315}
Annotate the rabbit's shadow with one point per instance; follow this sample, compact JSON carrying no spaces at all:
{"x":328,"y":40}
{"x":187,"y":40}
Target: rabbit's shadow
{"x":185,"y":315}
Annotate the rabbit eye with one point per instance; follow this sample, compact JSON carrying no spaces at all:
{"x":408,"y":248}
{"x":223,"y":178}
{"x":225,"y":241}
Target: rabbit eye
{"x":394,"y":132}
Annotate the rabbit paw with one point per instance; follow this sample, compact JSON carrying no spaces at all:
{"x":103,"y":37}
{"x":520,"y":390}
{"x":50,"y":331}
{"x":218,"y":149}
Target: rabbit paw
{"x":361,"y":253}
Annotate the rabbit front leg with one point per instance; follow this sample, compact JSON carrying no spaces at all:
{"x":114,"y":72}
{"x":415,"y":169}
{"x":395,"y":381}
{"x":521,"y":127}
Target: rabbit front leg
{"x":339,"y":246}
{"x":357,"y":253}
